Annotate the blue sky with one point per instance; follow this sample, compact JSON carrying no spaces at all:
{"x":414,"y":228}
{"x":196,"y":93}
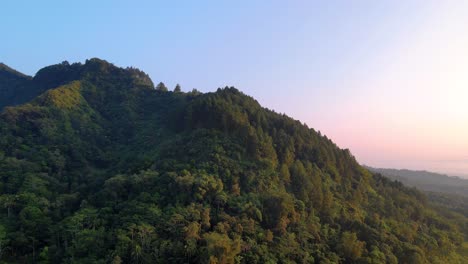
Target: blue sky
{"x":366,"y":73}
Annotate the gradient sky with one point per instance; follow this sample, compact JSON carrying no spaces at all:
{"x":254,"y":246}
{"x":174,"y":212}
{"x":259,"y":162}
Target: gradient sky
{"x":386,"y":79}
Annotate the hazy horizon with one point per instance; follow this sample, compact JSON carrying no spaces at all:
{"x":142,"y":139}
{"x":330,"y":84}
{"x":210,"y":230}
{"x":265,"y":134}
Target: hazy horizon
{"x":386,"y":79}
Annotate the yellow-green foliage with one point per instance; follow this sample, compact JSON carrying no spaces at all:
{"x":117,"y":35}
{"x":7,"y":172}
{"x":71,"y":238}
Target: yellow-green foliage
{"x":463,"y":251}
{"x":64,"y":97}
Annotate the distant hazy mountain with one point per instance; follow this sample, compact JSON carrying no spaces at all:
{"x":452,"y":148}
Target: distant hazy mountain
{"x":428,"y":181}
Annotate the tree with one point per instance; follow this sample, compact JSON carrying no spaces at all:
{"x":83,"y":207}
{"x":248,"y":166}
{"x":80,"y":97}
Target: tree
{"x":195,"y":92}
{"x":161,"y":87}
{"x":3,"y":239}
{"x":350,"y":246}
{"x":177,"y":89}
{"x":221,"y":249}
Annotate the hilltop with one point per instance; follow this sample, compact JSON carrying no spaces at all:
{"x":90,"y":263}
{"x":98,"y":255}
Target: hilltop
{"x":99,"y":166}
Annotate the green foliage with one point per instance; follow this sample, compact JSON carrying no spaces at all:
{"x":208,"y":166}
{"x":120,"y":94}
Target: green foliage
{"x":104,"y":168}
{"x":15,"y":87}
{"x":351,"y":247}
{"x":161,"y":87}
{"x":177,"y":89}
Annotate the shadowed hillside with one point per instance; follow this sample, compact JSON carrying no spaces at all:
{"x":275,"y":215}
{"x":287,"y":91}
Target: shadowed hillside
{"x":13,"y":85}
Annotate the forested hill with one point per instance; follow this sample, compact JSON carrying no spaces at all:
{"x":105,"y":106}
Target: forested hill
{"x":12,"y":86}
{"x":17,"y":88}
{"x":102,"y":167}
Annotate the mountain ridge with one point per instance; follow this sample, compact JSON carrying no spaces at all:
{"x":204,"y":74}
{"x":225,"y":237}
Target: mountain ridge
{"x":6,"y":68}
{"x":53,"y":76}
{"x":426,"y":180}
{"x":104,"y":168}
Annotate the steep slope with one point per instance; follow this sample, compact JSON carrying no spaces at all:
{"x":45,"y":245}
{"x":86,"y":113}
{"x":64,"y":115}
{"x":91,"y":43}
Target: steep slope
{"x":104,"y":168}
{"x":12,"y":84}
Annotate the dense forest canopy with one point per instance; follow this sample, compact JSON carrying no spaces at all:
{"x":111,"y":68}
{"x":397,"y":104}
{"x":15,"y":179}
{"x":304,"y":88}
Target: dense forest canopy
{"x":100,"y":166}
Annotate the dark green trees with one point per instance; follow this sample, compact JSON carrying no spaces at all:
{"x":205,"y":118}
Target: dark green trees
{"x":161,"y":87}
{"x":15,"y":87}
{"x":177,"y":89}
{"x":104,"y":168}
